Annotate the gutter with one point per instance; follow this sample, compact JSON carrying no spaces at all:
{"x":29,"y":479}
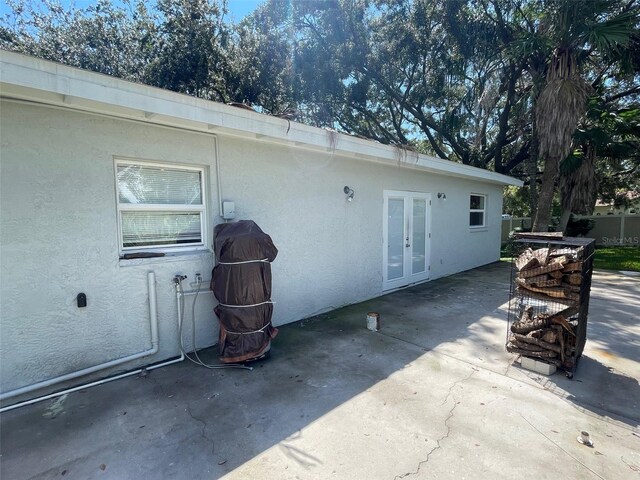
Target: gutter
{"x":27,"y":78}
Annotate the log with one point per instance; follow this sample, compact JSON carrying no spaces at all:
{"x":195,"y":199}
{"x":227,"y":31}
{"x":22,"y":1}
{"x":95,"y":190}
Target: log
{"x":574,"y":278}
{"x":525,"y":327}
{"x":572,"y":267}
{"x":542,"y":255}
{"x":536,"y":279}
{"x":527,"y":324}
{"x":535,"y":341}
{"x":563,"y":323}
{"x":554,"y":292}
{"x":549,"y":336}
{"x":567,"y":312}
{"x":544,"y":298}
{"x":533,"y":272}
{"x":544,"y":354}
{"x":562,"y":259}
{"x":525,"y":346}
{"x":556,"y":274}
{"x":551,"y":282}
{"x":571,"y":288}
{"x":526,"y":260}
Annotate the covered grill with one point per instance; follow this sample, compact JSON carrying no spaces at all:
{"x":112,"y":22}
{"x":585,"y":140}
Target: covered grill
{"x":241,"y":281}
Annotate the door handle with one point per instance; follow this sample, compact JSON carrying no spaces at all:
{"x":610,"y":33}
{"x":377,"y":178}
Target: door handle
{"x":407,"y":244}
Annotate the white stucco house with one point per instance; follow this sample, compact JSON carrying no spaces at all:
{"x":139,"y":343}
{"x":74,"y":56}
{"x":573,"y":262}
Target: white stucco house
{"x":70,"y":217}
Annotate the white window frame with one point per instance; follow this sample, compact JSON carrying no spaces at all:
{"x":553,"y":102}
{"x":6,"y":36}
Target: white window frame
{"x":133,"y":207}
{"x":478,"y":210}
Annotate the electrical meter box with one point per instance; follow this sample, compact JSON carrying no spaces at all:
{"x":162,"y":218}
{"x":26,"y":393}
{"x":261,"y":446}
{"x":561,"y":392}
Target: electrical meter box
{"x":228,"y":210}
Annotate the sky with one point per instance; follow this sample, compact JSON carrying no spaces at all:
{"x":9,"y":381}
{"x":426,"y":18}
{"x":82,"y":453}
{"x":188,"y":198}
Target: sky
{"x":238,"y":9}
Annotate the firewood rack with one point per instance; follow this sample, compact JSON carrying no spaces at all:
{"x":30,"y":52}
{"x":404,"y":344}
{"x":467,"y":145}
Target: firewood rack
{"x":549,"y":298}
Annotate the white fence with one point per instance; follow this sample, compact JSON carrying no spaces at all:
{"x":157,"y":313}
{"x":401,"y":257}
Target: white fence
{"x":609,"y":230}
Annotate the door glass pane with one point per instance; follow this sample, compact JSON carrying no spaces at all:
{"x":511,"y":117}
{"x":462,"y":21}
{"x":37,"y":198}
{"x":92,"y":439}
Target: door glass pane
{"x":419,"y":239}
{"x":395,"y":247}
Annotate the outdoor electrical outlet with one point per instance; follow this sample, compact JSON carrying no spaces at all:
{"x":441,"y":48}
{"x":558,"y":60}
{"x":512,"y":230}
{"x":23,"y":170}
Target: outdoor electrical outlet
{"x":198,"y":278}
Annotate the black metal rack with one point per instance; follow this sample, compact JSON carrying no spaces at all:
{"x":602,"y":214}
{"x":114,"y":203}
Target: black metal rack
{"x":549,"y":299}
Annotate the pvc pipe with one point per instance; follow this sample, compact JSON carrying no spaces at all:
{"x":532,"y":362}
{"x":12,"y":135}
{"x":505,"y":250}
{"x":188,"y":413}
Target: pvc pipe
{"x":188,"y":294}
{"x":218,"y":179}
{"x":153,"y":317}
{"x":153,"y":311}
{"x":154,"y":341}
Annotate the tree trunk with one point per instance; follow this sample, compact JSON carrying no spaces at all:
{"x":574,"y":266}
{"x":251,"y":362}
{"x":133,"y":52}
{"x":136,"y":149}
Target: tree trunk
{"x":564,"y":219}
{"x":532,"y":170}
{"x":545,"y":198}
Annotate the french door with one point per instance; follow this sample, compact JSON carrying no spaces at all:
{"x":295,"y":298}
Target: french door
{"x":406,"y":238}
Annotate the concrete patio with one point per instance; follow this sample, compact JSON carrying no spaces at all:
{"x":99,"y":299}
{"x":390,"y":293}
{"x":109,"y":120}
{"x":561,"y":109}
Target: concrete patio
{"x":432,"y":395}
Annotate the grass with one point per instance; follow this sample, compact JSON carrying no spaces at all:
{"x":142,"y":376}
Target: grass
{"x":606,"y":258}
{"x":617,"y":258}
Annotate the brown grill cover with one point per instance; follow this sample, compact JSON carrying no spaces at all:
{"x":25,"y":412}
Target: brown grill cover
{"x":241,"y":289}
{"x":231,"y":286}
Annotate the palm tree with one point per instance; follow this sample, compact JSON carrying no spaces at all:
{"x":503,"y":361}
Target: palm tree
{"x":578,"y":183}
{"x":575,"y":32}
{"x":607,"y":140}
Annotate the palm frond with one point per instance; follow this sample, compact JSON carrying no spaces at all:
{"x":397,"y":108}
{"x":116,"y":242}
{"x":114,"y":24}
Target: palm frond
{"x":614,"y":33}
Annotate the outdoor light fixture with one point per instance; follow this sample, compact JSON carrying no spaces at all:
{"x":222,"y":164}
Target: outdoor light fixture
{"x":349,"y":193}
{"x":443,"y":196}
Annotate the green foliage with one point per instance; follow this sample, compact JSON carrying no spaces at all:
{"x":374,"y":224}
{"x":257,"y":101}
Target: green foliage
{"x":264,"y":63}
{"x":103,"y":38}
{"x":192,"y":42}
{"x":457,"y":79}
{"x":516,"y":201}
{"x":584,"y":35}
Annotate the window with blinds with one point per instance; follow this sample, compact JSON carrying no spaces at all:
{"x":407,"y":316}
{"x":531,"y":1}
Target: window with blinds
{"x":477,"y":210}
{"x":160,"y":206}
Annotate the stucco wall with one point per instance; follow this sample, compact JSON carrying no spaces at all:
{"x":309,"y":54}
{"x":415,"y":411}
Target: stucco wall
{"x":331,"y":249}
{"x":59,"y":235}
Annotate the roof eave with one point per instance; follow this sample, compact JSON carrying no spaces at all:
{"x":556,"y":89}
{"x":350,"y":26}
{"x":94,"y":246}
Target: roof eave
{"x":31,"y":79}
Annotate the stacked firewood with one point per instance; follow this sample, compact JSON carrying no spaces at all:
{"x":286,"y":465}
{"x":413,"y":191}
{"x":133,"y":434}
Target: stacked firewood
{"x":548,"y":277}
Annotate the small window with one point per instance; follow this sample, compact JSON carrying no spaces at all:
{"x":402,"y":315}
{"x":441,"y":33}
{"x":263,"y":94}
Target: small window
{"x":477,"y":204}
{"x":160,"y":206}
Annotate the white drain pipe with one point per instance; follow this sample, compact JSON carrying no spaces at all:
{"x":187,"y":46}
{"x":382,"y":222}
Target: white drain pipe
{"x":153,"y":318}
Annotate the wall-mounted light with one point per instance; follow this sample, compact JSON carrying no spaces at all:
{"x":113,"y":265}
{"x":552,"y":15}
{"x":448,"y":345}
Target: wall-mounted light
{"x":442,"y":196}
{"x":349,"y":193}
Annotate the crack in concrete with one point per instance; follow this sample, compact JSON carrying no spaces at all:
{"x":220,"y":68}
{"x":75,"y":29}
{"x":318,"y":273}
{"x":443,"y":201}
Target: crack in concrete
{"x":203,"y":431}
{"x":446,"y":424}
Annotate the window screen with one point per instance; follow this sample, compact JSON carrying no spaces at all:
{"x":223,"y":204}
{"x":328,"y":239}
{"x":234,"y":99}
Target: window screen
{"x":477,"y":210}
{"x":160,"y":206}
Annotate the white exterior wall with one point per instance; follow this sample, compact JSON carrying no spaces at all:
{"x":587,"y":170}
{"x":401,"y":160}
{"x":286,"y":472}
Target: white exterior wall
{"x":331,"y":249}
{"x":59,"y":235}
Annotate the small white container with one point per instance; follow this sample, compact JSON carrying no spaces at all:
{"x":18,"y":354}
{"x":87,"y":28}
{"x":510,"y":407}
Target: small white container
{"x":373,"y":321}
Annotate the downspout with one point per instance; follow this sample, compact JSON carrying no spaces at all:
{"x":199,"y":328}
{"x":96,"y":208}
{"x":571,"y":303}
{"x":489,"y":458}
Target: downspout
{"x":153,"y":318}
